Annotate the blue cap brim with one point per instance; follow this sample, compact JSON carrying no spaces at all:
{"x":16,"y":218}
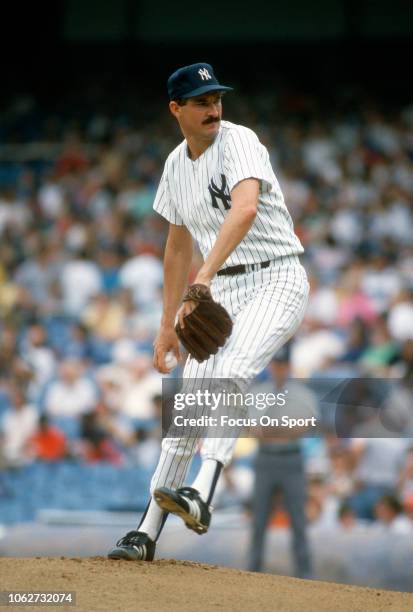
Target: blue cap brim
{"x":205,"y":89}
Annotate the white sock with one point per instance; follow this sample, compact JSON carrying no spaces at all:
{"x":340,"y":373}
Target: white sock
{"x":206,"y":478}
{"x":152,"y":522}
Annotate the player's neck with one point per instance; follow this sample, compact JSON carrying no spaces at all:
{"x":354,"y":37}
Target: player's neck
{"x":196,"y":147}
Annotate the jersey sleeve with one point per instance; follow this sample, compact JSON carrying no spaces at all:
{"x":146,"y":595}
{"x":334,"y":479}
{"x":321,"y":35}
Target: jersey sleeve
{"x":164,"y":203}
{"x":245,"y":157}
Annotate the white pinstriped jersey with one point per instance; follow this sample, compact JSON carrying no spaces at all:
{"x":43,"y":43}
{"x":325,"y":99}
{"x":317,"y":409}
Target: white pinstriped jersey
{"x":197,"y":194}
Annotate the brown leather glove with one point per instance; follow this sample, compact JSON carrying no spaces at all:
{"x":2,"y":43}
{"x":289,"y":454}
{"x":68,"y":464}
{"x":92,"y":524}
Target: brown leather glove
{"x":207,"y":327}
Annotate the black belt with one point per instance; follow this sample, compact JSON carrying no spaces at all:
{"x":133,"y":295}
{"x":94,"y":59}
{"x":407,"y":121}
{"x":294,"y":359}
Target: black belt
{"x":242,"y":268}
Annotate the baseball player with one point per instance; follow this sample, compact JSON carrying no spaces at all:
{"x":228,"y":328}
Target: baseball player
{"x":217,"y":188}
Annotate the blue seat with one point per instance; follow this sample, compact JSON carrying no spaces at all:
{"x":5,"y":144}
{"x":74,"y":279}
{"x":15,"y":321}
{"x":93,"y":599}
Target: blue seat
{"x":72,"y":486}
{"x":70,"y":426}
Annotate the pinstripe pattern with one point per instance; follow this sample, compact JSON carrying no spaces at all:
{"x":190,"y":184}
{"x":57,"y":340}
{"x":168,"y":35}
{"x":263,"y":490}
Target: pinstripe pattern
{"x":183,"y":197}
{"x":266,"y":304}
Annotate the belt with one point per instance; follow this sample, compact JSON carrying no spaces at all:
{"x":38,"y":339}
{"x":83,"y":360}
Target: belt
{"x":242,"y":268}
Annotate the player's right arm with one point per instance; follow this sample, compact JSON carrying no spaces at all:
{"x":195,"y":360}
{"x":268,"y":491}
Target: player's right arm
{"x":177,"y":262}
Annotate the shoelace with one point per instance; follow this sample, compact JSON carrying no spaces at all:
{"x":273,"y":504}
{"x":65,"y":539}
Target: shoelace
{"x":132,"y":537}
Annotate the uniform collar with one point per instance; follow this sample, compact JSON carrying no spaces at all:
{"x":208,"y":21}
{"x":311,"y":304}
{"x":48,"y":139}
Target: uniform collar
{"x":187,"y":153}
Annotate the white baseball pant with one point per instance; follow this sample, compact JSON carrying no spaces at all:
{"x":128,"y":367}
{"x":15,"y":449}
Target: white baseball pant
{"x":267,"y":306}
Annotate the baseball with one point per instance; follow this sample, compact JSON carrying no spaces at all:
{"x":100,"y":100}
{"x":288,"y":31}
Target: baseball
{"x":170,"y":360}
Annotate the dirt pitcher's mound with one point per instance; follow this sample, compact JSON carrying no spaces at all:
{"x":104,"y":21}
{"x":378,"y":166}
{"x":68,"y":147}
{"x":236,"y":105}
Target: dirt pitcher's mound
{"x":101,"y":584}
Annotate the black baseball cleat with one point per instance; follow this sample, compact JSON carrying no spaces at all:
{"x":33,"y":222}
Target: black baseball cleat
{"x":186,"y":503}
{"x":134,"y":546}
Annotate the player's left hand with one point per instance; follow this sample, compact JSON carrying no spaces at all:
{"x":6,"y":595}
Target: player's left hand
{"x":185,"y":310}
{"x":189,"y":306}
{"x":206,"y":327}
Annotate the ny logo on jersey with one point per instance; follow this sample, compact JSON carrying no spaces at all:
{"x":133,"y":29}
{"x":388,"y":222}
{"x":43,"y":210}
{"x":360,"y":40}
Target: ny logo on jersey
{"x":220,"y":193}
{"x":204,"y":74}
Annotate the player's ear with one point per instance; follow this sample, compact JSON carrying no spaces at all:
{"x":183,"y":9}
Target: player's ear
{"x":174,"y":108}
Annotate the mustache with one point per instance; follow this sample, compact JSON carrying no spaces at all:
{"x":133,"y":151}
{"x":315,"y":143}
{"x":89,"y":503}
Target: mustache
{"x":211,"y":120}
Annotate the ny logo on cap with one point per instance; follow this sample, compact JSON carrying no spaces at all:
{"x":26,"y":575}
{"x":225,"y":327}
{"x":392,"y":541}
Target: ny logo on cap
{"x":204,"y":74}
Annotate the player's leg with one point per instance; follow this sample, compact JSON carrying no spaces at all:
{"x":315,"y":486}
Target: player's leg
{"x":274,"y":307}
{"x":270,"y":305}
{"x":191,"y":503}
{"x":173,"y":465}
{"x":267,"y":307}
{"x":273,"y":303}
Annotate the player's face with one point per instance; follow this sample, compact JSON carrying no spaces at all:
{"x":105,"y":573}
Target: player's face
{"x":200,"y":117}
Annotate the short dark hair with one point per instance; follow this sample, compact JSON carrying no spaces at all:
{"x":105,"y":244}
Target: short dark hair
{"x":344,"y":509}
{"x":181,"y":101}
{"x":392,"y":501}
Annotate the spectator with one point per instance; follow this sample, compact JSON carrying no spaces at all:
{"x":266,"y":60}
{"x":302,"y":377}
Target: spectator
{"x":104,"y":317}
{"x":37,"y":274}
{"x":340,"y":482}
{"x":381,"y":351}
{"x":136,"y":199}
{"x":357,"y":342}
{"x":48,"y":443}
{"x":19,"y":424}
{"x":72,"y":393}
{"x":78,"y":345}
{"x":14,"y":214}
{"x":322,"y":303}
{"x":38,"y":355}
{"x":143,"y":276}
{"x":389,"y":513}
{"x":381,"y":281}
{"x":109,"y":262}
{"x":113,"y":422}
{"x":315,"y":351}
{"x":8,"y":350}
{"x":96,"y":443}
{"x":144,"y":384}
{"x":321,"y":505}
{"x":346,"y":517}
{"x":401,"y":317}
{"x":51,"y":197}
{"x":354,"y":303}
{"x":377,"y":464}
{"x":80,"y":281}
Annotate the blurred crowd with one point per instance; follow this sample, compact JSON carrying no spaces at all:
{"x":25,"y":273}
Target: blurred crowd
{"x":81,"y":281}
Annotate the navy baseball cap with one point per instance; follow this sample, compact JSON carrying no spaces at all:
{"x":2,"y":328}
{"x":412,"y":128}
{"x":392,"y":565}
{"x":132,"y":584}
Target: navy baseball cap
{"x":193,"y":80}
